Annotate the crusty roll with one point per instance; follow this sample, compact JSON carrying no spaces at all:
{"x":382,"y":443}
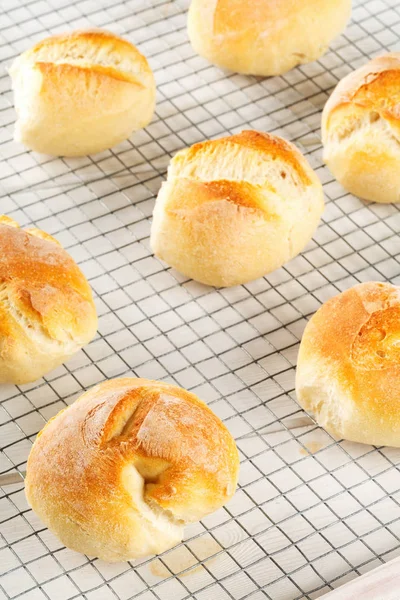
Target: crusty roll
{"x":81,"y":92}
{"x":46,"y":306}
{"x":236,"y":208}
{"x":265,"y":37}
{"x":119,"y":472}
{"x":361,"y":130}
{"x":348,"y":370}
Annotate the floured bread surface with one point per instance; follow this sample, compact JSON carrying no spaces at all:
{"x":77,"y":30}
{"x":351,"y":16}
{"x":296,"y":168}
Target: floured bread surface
{"x":81,"y":92}
{"x":46,"y":306}
{"x":361,"y":130}
{"x":348,"y":370}
{"x":236,"y":208}
{"x":265,"y":37}
{"x":119,"y":473}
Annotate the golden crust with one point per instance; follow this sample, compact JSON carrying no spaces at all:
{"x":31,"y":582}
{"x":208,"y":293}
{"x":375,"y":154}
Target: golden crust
{"x":189,"y":194}
{"x":120,"y":471}
{"x":50,"y":70}
{"x":95,"y":36}
{"x":81,"y":92}
{"x":231,"y":15}
{"x":265,"y":37}
{"x":373,"y":87}
{"x":114,"y":90}
{"x":234,"y":15}
{"x":221,"y":233}
{"x":46,"y":305}
{"x":235,"y":208}
{"x":361,"y":130}
{"x":94,"y":45}
{"x":263,"y":144}
{"x":348,"y":370}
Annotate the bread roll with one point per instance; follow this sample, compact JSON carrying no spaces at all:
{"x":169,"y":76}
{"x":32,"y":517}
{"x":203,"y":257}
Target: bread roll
{"x":361,"y":130}
{"x":119,"y":473}
{"x":81,"y":92}
{"x":348,"y":370}
{"x":265,"y":37}
{"x":46,"y":306}
{"x":236,"y":208}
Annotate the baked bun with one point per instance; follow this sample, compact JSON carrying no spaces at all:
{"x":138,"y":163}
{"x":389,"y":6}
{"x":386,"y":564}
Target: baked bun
{"x":236,"y":208}
{"x":361,"y":130}
{"x":81,"y":92}
{"x":119,"y":472}
{"x":46,"y":306}
{"x":265,"y":37}
{"x":348,"y":370}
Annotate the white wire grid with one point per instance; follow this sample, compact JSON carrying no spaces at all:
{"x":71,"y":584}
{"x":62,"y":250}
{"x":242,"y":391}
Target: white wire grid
{"x":311,"y":512}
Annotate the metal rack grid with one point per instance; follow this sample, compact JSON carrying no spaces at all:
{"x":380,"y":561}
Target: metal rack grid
{"x":311,"y":512}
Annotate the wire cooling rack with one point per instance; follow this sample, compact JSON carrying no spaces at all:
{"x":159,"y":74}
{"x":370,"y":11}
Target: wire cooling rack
{"x":311,"y":512}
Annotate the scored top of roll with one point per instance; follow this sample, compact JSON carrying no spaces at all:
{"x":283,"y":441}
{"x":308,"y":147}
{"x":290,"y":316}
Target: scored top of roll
{"x":81,"y":92}
{"x":236,"y":208}
{"x":119,"y":472}
{"x":245,"y":156}
{"x":361,"y":130}
{"x":373,"y":87}
{"x":97,"y":49}
{"x":348,"y":372}
{"x":46,"y":306}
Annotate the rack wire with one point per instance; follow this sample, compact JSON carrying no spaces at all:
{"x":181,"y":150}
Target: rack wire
{"x":311,"y":512}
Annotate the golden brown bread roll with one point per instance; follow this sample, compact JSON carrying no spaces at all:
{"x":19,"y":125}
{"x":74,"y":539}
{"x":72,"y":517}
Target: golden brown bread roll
{"x":348,"y":370}
{"x":265,"y":37}
{"x":119,"y":472}
{"x":46,"y":306}
{"x":81,"y":92}
{"x":236,"y":208}
{"x":361,"y":130}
